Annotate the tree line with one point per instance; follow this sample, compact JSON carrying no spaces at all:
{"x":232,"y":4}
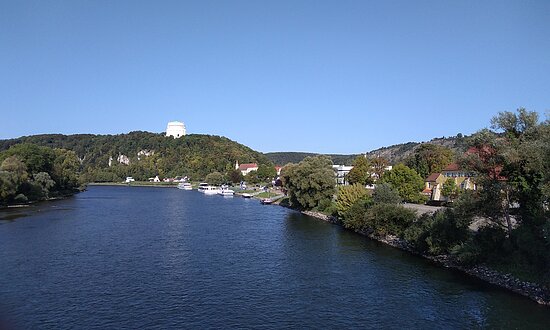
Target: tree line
{"x":504,"y":224}
{"x":29,"y":172}
{"x":147,"y":154}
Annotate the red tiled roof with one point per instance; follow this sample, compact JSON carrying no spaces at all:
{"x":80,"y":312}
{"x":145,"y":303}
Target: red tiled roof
{"x":433,"y":177}
{"x":247,"y":166}
{"x":427,"y":191}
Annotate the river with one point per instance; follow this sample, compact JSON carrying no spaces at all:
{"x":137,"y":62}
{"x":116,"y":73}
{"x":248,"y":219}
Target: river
{"x":145,"y":257}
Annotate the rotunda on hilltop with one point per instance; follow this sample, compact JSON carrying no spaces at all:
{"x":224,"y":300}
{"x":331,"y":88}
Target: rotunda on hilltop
{"x":175,"y":129}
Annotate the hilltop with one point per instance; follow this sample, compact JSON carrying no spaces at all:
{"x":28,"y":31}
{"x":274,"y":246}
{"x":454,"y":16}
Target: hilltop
{"x":144,"y":154}
{"x":394,"y":154}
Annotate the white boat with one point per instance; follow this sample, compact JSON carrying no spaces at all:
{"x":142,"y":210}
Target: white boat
{"x":247,"y":195}
{"x":185,"y":186}
{"x":202,"y":186}
{"x":211,"y":190}
{"x":226,"y":192}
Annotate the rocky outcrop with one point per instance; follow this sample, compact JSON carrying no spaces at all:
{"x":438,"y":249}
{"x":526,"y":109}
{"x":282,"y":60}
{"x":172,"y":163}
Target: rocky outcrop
{"x":145,"y":153}
{"x":123,"y":159}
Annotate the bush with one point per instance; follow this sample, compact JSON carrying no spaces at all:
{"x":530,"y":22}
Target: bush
{"x":20,"y":198}
{"x":384,"y":193}
{"x":437,"y":233}
{"x":349,"y":195}
{"x":445,"y":231}
{"x":354,"y":217}
{"x":389,"y":219}
{"x":327,"y":206}
{"x":487,"y":244}
{"x":417,"y":233}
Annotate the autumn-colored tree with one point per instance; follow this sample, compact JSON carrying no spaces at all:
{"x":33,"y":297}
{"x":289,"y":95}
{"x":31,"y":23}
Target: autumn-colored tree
{"x":349,"y":195}
{"x":429,"y":158}
{"x":379,"y":165}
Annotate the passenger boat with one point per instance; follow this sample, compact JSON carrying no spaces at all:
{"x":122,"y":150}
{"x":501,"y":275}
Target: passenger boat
{"x":211,"y":190}
{"x":202,"y":186}
{"x":185,"y":186}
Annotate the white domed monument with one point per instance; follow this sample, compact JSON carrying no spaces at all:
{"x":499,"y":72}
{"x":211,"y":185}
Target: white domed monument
{"x":175,"y":129}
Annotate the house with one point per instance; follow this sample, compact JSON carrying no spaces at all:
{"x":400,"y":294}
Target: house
{"x":341,"y":171}
{"x":246,"y":168}
{"x":434,"y":182}
{"x":129,"y":179}
{"x":278,"y":170}
{"x":462,"y":178}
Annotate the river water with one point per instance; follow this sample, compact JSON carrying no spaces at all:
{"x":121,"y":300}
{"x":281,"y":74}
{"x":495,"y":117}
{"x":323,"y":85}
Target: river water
{"x":127,"y":257}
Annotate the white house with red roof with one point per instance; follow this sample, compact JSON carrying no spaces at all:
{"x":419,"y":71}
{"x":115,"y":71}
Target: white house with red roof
{"x":246,"y":168}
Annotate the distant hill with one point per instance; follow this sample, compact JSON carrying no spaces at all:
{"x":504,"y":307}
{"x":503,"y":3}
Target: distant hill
{"x":283,"y":158}
{"x":394,"y":153}
{"x":144,"y":154}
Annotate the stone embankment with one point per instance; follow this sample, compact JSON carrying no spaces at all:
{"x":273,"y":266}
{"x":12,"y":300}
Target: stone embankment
{"x":530,"y":290}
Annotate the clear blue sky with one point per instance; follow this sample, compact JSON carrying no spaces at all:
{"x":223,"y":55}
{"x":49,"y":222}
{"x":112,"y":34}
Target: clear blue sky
{"x":318,"y":76}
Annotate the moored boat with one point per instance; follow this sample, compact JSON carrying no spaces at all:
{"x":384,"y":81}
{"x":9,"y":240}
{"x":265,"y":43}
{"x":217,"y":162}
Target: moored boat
{"x":226,"y":192}
{"x":185,"y":186}
{"x":266,"y":201}
{"x":202,"y":186}
{"x":211,"y":190}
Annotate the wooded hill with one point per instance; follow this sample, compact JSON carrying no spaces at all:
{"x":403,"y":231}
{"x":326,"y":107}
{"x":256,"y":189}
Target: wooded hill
{"x":143,"y":154}
{"x":394,"y":154}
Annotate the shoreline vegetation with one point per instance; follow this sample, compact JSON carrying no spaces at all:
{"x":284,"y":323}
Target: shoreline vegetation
{"x":533,"y":291}
{"x":495,"y":227}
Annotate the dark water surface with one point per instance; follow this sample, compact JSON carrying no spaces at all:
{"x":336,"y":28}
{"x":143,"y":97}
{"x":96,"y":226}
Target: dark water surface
{"x":120,"y":257}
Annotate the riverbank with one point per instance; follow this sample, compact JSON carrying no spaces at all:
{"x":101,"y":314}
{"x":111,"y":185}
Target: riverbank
{"x":533,"y":291}
{"x":30,"y":203}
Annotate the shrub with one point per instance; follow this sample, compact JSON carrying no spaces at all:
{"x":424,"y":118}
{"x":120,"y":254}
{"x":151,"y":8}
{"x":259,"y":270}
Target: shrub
{"x":445,"y":231}
{"x":437,"y":233}
{"x":354,"y":217}
{"x":20,"y":198}
{"x":349,"y":195}
{"x":389,"y":219}
{"x":417,"y":233}
{"x":384,"y":193}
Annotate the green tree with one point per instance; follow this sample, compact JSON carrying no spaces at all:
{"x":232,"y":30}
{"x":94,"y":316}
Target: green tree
{"x":252,"y":177}
{"x":215,"y":178}
{"x":310,"y":182}
{"x":407,"y":181}
{"x":349,"y":195}
{"x":361,"y":172}
{"x":385,"y":194}
{"x":266,"y":172}
{"x":65,"y":169}
{"x":16,"y":167}
{"x":235,"y":176}
{"x":429,"y":158}
{"x":44,"y":180}
{"x":379,"y":165}
{"x":450,"y":189}
{"x":36,"y":158}
{"x":8,"y":186}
